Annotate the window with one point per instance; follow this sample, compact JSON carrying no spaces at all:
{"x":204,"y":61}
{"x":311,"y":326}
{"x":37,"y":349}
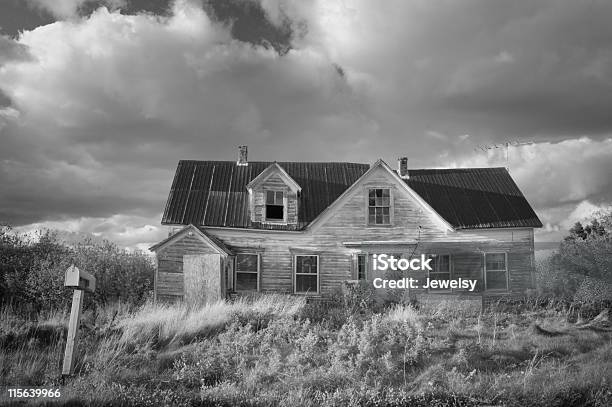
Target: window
{"x":361,"y":266}
{"x":247,"y":272}
{"x":307,"y":274}
{"x":440,"y":269}
{"x":496,"y":271}
{"x":379,"y":204}
{"x":275,"y":208}
{"x":229,"y":276}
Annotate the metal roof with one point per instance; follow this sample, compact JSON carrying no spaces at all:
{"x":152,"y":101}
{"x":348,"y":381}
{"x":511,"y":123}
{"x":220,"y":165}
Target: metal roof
{"x":474,"y":198}
{"x":214,"y":193}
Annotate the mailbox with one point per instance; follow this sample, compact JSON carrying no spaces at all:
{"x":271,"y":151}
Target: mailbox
{"x":80,"y":280}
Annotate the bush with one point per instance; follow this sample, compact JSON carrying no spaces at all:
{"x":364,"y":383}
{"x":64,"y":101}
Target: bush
{"x":554,"y":280}
{"x":379,"y":347}
{"x":358,"y":296}
{"x":32,"y":271}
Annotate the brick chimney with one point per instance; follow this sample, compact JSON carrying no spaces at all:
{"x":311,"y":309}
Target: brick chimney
{"x":242,"y":159}
{"x":402,"y":167}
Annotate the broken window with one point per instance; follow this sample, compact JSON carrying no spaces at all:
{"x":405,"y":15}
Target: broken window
{"x":275,"y":208}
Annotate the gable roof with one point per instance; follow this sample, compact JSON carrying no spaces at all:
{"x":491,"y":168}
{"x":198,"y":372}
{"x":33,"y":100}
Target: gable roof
{"x":272,"y":169}
{"x":214,"y":242}
{"x":382,"y":164}
{"x":214,"y":193}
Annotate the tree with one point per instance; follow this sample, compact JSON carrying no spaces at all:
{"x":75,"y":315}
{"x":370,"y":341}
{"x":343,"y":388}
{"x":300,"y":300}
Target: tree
{"x":597,"y":228}
{"x":587,"y":250}
{"x":577,"y":231}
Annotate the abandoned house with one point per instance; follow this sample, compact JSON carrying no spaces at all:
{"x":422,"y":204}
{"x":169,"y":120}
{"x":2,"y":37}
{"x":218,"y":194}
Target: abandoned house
{"x":304,"y":228}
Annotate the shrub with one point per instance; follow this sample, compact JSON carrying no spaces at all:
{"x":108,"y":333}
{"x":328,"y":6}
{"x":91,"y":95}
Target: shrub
{"x":379,"y":347}
{"x":554,"y":280}
{"x":359,"y":296}
{"x":329,"y":311}
{"x":32,"y":271}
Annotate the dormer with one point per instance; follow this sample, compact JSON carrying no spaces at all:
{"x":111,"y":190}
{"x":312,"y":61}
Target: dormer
{"x":273,"y":197}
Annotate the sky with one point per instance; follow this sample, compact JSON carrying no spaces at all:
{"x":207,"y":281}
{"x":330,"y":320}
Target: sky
{"x":99,"y":100}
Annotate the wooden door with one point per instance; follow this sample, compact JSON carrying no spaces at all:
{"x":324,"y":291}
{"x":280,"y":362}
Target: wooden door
{"x":203,"y":278}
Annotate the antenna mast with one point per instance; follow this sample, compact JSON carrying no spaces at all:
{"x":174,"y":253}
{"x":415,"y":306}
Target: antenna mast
{"x":506,"y":145}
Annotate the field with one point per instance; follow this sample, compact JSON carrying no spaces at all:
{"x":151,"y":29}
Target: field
{"x":278,"y":350}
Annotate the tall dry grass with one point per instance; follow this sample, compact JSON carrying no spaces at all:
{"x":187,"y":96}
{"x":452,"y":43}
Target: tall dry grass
{"x":164,"y":325}
{"x":30,"y":349}
{"x":269,"y":351}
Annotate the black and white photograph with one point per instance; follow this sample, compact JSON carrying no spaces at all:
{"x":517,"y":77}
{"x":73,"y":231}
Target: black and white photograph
{"x":306,"y":203}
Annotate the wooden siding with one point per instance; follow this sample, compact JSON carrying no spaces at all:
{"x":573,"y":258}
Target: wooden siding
{"x":170,"y":279}
{"x":169,"y":284}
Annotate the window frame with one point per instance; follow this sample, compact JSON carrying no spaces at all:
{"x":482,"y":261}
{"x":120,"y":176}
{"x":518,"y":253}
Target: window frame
{"x":258,"y":272}
{"x":365,"y":265}
{"x":437,"y":271}
{"x":367,"y":206}
{"x":295,"y":273}
{"x":486,"y":286}
{"x":284,"y":205}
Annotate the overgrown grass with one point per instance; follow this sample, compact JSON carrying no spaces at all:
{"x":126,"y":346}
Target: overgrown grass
{"x":173,"y":325}
{"x":278,"y":350}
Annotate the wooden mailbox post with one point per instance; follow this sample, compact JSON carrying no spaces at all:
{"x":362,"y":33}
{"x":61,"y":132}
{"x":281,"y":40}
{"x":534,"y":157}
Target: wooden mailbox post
{"x":80,"y":281}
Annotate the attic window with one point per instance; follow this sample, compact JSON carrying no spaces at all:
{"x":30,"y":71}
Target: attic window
{"x":379,"y":206}
{"x":275,"y":207}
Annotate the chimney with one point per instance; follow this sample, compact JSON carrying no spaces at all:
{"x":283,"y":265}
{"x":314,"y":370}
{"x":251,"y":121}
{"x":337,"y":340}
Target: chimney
{"x":243,"y":151}
{"x":402,"y":167}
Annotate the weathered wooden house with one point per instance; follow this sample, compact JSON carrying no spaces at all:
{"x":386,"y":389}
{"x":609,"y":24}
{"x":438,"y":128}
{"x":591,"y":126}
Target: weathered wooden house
{"x":305,"y":227}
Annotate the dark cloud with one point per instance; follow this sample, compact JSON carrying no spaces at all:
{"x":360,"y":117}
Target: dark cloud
{"x":18,"y":15}
{"x":547,"y":70}
{"x":93,"y":124}
{"x":249,"y":23}
{"x":4,"y":100}
{"x":155,"y":7}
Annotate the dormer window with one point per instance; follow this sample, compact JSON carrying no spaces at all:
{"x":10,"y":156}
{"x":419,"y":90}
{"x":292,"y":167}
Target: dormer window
{"x":273,"y":197}
{"x":379,"y":206}
{"x":275,"y":207}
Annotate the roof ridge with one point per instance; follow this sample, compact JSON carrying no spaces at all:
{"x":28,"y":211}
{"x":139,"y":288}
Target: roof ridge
{"x":272,"y":162}
{"x":457,"y":169}
{"x":340,"y":162}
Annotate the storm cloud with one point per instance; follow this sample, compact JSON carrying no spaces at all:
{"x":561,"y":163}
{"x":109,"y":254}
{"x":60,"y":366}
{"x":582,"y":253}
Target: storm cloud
{"x":98,"y":105}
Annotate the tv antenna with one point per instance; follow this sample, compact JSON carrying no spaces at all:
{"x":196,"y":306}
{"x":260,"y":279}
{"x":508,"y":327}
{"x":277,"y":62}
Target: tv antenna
{"x":506,"y":145}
